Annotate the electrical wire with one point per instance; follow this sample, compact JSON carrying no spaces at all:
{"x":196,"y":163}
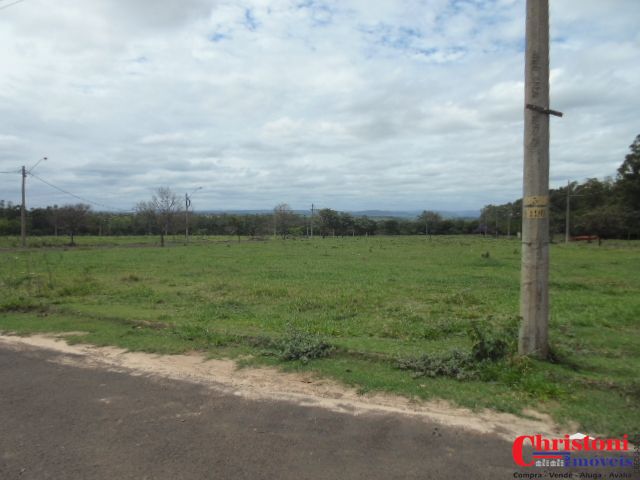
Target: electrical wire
{"x":78,"y":196}
{"x":2,"y":7}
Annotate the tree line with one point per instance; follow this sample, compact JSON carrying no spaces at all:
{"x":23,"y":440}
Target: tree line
{"x":608,"y":208}
{"x":165,"y":219}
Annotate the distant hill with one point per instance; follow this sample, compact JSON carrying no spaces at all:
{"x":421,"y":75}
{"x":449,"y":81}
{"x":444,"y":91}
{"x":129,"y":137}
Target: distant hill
{"x":360,"y":213}
{"x":415,"y":213}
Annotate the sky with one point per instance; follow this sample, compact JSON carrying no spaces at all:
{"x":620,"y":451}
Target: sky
{"x":349,"y":104}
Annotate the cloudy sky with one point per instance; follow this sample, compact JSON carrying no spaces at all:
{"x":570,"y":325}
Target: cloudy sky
{"x":350,"y":104}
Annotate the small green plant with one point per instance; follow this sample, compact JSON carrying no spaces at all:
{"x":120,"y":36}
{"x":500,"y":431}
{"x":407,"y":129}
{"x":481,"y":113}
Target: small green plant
{"x":303,"y":346}
{"x":492,"y":342}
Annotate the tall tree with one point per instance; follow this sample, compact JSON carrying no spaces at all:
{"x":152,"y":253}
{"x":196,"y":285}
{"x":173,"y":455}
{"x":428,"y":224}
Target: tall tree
{"x":329,"y":221}
{"x":283,"y":218}
{"x":629,"y":177}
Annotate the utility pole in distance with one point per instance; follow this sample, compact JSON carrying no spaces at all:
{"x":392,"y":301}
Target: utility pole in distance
{"x":534,"y":281}
{"x":311,"y":220}
{"x":23,"y":205}
{"x":23,"y":211}
{"x":567,"y":220}
{"x":187,"y":204}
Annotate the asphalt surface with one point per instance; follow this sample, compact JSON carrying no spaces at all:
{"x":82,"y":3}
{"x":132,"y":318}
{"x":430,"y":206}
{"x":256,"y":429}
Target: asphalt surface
{"x":63,"y":422}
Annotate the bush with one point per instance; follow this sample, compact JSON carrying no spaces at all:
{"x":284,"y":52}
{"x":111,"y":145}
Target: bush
{"x":303,"y":346}
{"x":492,"y":342}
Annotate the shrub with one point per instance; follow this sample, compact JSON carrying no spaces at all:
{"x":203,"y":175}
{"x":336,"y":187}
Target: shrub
{"x":492,"y":342}
{"x":303,"y":346}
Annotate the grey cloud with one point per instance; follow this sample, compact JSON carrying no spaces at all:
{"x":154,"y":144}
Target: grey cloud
{"x":126,"y":96}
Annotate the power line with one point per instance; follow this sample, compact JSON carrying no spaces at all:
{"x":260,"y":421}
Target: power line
{"x":12,"y":171}
{"x":43,"y":159}
{"x":78,"y":196}
{"x":7,"y":6}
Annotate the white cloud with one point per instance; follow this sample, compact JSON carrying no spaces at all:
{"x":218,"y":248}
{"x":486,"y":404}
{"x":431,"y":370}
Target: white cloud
{"x":351,"y":104}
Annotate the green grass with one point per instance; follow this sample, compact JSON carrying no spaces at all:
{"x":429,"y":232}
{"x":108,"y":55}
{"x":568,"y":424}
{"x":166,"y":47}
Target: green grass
{"x":84,"y":241}
{"x":376,"y":300}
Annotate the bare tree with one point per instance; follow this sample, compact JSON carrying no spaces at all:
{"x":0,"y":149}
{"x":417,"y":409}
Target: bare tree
{"x":163,"y":207}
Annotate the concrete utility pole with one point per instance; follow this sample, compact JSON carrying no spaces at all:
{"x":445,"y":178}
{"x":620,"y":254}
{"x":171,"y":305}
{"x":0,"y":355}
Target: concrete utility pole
{"x":534,"y":282}
{"x":23,"y":211}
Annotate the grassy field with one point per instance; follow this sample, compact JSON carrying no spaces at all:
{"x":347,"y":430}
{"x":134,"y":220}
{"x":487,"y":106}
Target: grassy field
{"x":379,"y":302}
{"x":12,"y":242}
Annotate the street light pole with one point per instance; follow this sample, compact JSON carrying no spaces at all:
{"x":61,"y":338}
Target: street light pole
{"x":23,"y":205}
{"x":187,"y":204}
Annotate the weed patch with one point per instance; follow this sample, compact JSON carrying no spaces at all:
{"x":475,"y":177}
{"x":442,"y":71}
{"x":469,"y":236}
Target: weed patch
{"x":493,"y":342}
{"x":454,"y":364}
{"x":303,"y":346}
{"x":490,"y":343}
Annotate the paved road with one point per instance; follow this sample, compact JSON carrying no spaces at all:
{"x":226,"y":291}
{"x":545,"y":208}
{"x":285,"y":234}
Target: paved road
{"x":63,"y":422}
